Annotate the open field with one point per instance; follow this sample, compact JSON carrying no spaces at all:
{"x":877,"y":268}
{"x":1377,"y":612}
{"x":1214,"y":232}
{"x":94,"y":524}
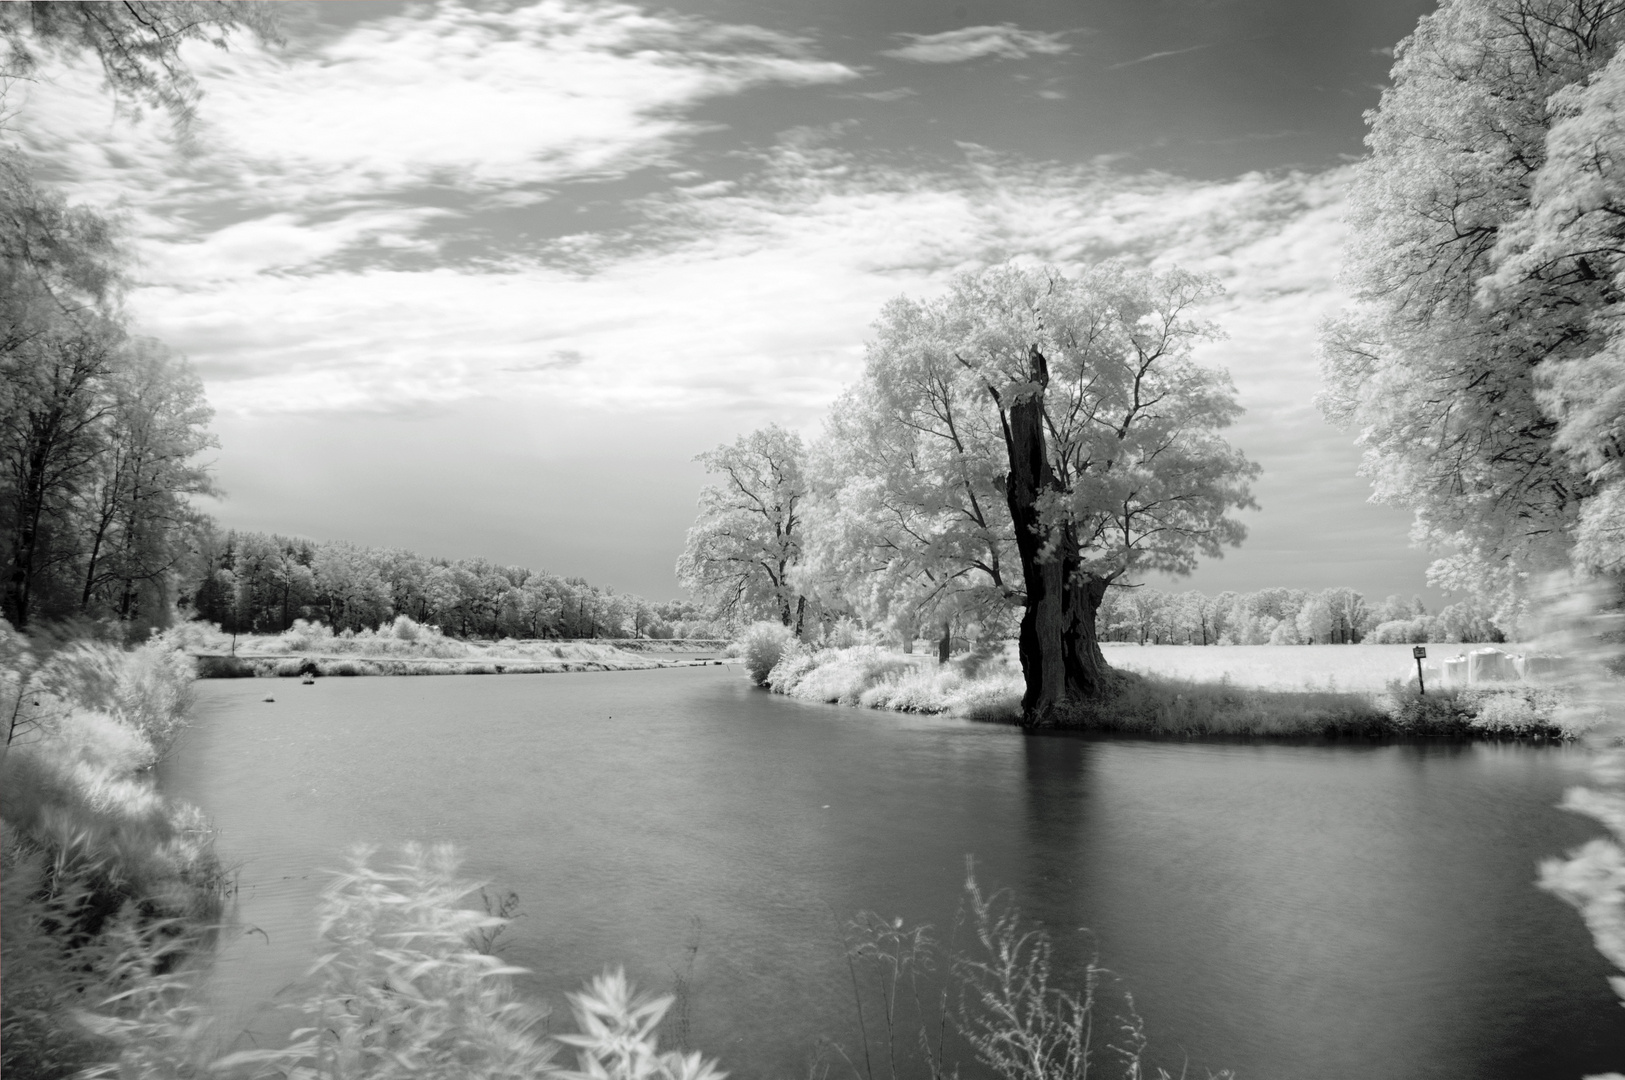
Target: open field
{"x":1268,"y":690}
{"x":1283,"y":667}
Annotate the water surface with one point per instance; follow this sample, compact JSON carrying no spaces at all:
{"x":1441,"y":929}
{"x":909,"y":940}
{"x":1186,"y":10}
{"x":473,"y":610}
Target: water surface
{"x":1328,"y":911}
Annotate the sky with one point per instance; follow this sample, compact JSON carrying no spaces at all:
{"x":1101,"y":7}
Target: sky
{"x":483,"y":279}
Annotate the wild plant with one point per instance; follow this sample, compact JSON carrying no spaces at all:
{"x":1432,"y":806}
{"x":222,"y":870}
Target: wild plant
{"x":995,"y":1002}
{"x":762,"y":644}
{"x":617,"y":1040}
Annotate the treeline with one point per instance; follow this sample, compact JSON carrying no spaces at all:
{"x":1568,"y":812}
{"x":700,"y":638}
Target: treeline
{"x":1339,"y":616}
{"x":99,"y":428}
{"x":252,"y":582}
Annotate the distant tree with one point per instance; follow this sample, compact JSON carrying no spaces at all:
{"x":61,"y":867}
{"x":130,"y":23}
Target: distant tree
{"x":749,"y":534}
{"x":349,"y":586}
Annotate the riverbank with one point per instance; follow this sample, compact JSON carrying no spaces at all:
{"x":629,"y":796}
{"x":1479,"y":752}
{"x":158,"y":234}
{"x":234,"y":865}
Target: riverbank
{"x":102,"y":878}
{"x":407,"y":648}
{"x":1296,"y":692}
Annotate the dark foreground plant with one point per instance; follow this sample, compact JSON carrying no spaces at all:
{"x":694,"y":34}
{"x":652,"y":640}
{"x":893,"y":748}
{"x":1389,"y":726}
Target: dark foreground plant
{"x":926,"y":1009}
{"x":402,"y":990}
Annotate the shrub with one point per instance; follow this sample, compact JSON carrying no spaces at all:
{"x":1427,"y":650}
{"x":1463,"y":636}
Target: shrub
{"x":835,"y":675}
{"x":762,"y":644}
{"x":224,"y":667}
{"x":149,"y":687}
{"x":1400,"y":632}
{"x":404,"y":628}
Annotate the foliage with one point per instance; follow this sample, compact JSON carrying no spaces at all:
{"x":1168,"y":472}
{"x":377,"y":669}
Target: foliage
{"x":96,"y":868}
{"x":835,"y":675}
{"x":99,"y":428}
{"x":1478,"y":363}
{"x":1588,"y":623}
{"x":921,"y":511}
{"x":996,"y":1003}
{"x":748,"y":538}
{"x":266,"y":584}
{"x":137,"y":43}
{"x":761,"y":645}
{"x":403,"y":989}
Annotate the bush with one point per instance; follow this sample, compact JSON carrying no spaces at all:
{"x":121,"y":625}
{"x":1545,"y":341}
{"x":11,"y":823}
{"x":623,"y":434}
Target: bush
{"x":1400,"y":632}
{"x":835,"y":675}
{"x":762,"y":644}
{"x":224,"y":667}
{"x":149,"y":687}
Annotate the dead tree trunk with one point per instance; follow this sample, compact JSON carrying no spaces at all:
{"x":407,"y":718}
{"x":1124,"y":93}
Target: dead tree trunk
{"x":1061,"y":660}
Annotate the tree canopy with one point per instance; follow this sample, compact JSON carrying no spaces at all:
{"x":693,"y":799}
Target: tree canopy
{"x":1480,"y":362}
{"x":1030,"y":438}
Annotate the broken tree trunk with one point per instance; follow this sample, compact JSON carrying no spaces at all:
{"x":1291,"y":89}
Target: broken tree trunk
{"x":1061,"y":660}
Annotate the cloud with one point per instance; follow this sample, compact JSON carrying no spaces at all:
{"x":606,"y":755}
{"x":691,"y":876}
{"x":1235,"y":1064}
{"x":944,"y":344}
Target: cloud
{"x":446,"y":96}
{"x":556,"y":360}
{"x":295,"y":249}
{"x":897,"y":94}
{"x":1007,"y":41}
{"x":1158,"y":56}
{"x":756,"y":295}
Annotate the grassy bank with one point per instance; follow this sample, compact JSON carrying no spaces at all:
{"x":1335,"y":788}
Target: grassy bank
{"x":1354,"y":694}
{"x":408,"y":648}
{"x":96,"y":866}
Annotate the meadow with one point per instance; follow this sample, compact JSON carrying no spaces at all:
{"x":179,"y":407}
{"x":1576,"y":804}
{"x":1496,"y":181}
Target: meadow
{"x":1368,"y":668}
{"x":1235,"y":690}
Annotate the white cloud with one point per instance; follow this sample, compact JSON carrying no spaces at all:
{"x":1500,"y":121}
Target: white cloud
{"x":1007,"y":41}
{"x":446,"y":96}
{"x":1159,"y":56}
{"x":760,"y":296}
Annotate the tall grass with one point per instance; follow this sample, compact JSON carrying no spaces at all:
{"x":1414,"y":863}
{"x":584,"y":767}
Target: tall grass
{"x":403,"y":989}
{"x":92,"y":859}
{"x":994,"y":1006}
{"x":985,"y":686}
{"x":402,"y":647}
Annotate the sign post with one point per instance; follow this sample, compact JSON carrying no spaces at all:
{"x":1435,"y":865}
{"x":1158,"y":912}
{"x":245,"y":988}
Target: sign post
{"x":1420,"y":652}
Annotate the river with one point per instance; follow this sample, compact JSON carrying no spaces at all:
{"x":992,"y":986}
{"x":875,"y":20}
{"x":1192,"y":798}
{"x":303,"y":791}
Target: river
{"x":1313,"y":910}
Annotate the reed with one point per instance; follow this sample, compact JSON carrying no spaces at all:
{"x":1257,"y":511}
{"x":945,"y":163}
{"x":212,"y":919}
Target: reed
{"x":994,"y":1006}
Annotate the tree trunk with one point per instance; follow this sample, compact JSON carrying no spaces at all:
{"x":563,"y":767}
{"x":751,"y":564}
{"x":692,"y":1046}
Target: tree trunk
{"x":801,"y":614}
{"x":1060,"y":650}
{"x":945,"y":646}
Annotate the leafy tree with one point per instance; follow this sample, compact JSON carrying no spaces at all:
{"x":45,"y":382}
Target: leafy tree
{"x":1477,"y":363}
{"x":137,"y":42}
{"x":912,"y":530}
{"x":1111,"y":459}
{"x":748,"y":536}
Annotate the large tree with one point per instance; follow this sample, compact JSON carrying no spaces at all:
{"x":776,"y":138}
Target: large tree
{"x":1089,"y":449}
{"x":748,"y":536}
{"x":1479,"y":363}
{"x":911,"y":529}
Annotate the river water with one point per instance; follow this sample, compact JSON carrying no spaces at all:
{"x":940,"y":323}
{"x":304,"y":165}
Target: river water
{"x":1316,"y":910}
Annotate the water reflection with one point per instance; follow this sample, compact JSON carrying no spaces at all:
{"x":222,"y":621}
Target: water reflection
{"x":1334,"y":911}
